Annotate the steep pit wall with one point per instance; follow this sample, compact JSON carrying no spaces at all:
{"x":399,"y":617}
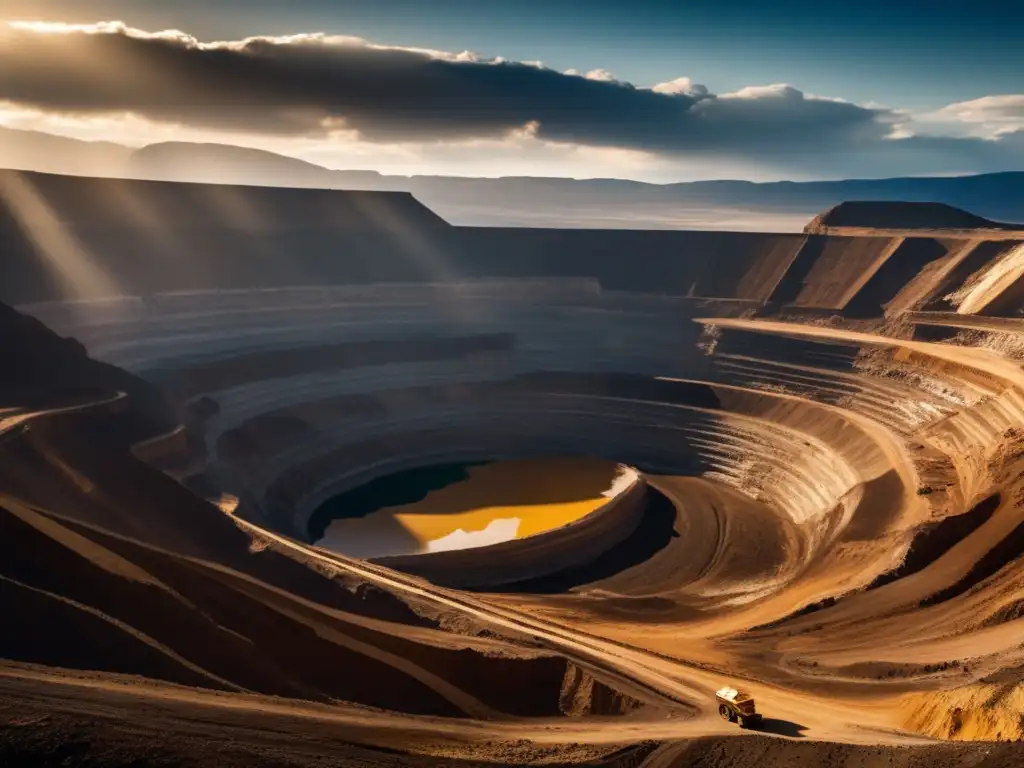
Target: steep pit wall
{"x":298,"y":373}
{"x":795,"y":463}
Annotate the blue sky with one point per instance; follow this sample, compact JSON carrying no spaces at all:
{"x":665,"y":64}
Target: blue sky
{"x":913,"y":57}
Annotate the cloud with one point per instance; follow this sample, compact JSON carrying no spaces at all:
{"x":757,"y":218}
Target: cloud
{"x":311,"y":84}
{"x":1007,"y":108}
{"x":317,"y":87}
{"x":682,"y":85}
{"x":990,"y":116}
{"x":603,"y":76}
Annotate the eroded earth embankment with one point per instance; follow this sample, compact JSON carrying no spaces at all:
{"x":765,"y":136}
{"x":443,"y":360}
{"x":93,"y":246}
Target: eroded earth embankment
{"x":827,"y":430}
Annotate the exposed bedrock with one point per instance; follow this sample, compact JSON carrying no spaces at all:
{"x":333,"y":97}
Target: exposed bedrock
{"x":462,"y":348}
{"x":805,"y":411}
{"x":810,"y":429}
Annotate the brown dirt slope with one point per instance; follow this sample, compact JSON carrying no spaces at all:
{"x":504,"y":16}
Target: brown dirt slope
{"x":829,"y":516}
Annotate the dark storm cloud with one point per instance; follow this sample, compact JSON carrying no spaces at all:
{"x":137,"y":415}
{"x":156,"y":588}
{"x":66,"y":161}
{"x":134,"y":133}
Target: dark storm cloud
{"x":308,"y":84}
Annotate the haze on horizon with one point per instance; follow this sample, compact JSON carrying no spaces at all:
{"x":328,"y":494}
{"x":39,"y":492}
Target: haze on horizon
{"x":653,"y":91}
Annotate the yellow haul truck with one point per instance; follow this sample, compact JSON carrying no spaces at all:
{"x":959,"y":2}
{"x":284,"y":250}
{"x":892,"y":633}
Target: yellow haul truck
{"x":737,"y":707}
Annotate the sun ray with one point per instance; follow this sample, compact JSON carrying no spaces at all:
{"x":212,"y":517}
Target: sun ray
{"x":71,"y":264}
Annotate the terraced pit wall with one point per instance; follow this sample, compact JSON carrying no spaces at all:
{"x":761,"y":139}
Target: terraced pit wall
{"x":784,"y":395}
{"x":256,"y":298}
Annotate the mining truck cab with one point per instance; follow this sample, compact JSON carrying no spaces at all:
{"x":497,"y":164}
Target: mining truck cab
{"x":737,"y":707}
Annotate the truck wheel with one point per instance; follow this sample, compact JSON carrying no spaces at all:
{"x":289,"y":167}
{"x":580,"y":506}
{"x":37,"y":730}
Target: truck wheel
{"x":724,"y":712}
{"x":743,"y":722}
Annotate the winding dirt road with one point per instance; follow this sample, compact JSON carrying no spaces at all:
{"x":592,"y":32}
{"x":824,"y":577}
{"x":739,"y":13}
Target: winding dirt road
{"x":689,"y":688}
{"x":683,"y":693}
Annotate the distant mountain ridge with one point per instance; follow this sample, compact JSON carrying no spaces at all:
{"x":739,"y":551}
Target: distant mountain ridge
{"x":35,"y":151}
{"x":784,"y":206}
{"x":617,"y":203}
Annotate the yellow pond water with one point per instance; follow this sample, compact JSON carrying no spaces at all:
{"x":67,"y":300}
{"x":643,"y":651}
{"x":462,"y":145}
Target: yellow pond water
{"x":498,"y":502}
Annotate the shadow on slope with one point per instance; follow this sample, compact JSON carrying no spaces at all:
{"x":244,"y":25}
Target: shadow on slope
{"x":654,"y":533}
{"x":111,"y":566}
{"x":624,"y":533}
{"x":779,"y":727}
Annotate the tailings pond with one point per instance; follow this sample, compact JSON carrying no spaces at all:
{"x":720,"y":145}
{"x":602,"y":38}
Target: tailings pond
{"x":456,"y":506}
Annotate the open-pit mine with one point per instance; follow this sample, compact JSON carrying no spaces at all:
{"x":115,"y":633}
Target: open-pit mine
{"x":236,"y":422}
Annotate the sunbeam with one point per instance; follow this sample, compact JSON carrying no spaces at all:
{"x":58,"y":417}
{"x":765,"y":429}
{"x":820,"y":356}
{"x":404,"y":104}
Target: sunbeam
{"x":66,"y":258}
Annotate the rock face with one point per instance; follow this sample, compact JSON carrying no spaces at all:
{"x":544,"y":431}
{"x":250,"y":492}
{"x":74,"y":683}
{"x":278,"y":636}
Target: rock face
{"x":804,"y":411}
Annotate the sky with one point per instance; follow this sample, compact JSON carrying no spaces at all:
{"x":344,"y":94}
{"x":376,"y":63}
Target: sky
{"x":651,"y":90}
